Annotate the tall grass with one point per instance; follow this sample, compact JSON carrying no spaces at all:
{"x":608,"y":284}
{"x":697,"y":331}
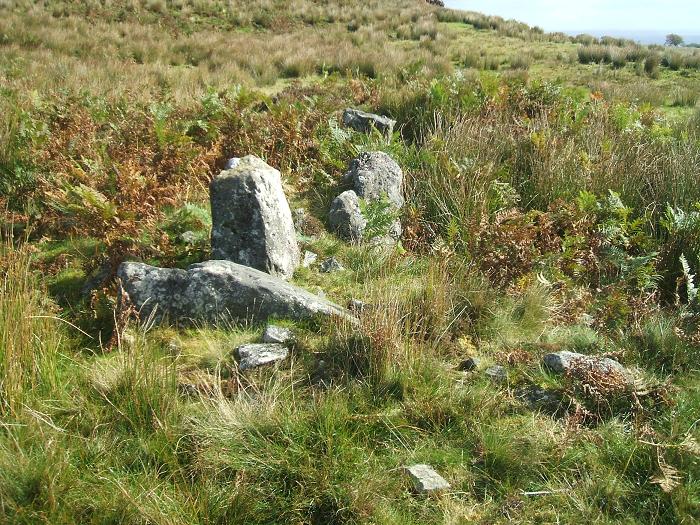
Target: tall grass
{"x":29,"y":335}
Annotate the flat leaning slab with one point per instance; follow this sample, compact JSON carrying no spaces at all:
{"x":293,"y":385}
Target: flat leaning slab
{"x":215,"y":291}
{"x":425,"y":479}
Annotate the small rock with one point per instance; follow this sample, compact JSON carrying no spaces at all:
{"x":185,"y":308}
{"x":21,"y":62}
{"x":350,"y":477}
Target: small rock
{"x":469,"y":365}
{"x":364,"y":122}
{"x":256,"y":355}
{"x":277,"y":334}
{"x":538,"y":398}
{"x":425,"y":479}
{"x":232,"y":163}
{"x":497,"y":373}
{"x":309,"y":259}
{"x":331,"y":265}
{"x":562,"y":362}
{"x":299,"y":216}
{"x":345,"y":216}
{"x":355,"y":305}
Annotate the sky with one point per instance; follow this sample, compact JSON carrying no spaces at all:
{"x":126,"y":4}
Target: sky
{"x":663,"y":16}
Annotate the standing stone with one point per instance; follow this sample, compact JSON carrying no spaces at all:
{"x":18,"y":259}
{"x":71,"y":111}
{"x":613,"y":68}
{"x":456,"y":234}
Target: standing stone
{"x":425,"y":479}
{"x":252,"y":224}
{"x":376,"y":175}
{"x":365,"y":122}
{"x":345,"y":217}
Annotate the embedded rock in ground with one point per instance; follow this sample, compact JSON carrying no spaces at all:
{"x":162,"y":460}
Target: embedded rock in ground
{"x":365,"y":122}
{"x":375,"y":175}
{"x":213,"y":291}
{"x":277,"y":334}
{"x":256,"y":355}
{"x":252,"y":224}
{"x":309,"y":259}
{"x":497,"y":373}
{"x":425,"y":479}
{"x":345,"y":217}
{"x":469,"y":365}
{"x":562,"y":362}
{"x":331,"y":265}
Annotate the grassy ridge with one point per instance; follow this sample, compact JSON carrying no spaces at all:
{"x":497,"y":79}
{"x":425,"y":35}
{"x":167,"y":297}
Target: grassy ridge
{"x":551,"y":205}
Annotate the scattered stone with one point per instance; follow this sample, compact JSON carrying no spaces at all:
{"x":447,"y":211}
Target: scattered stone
{"x":438,"y":3}
{"x":213,"y":291}
{"x":345,"y":217}
{"x":232,"y":163}
{"x":365,"y":122}
{"x":256,"y":355}
{"x":376,"y":175}
{"x":331,"y":265}
{"x":299,"y":216}
{"x":469,"y":365}
{"x":252,"y":224}
{"x":309,"y":259}
{"x":562,"y":362}
{"x":277,"y":334}
{"x":425,"y":479}
{"x":356,"y":305}
{"x":538,"y":398}
{"x":497,"y":373}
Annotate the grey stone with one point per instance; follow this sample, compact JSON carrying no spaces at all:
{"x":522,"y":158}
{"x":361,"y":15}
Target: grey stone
{"x":364,"y":122}
{"x":252,"y":224}
{"x":469,"y":365}
{"x":356,"y":305}
{"x":232,"y":163}
{"x":497,"y":373}
{"x":256,"y":355}
{"x":331,"y":265}
{"x":375,"y":175}
{"x":562,"y":362}
{"x":538,"y":398}
{"x":213,"y":291}
{"x":425,"y":479}
{"x":345,"y":217}
{"x":309,"y":259}
{"x":277,"y":334}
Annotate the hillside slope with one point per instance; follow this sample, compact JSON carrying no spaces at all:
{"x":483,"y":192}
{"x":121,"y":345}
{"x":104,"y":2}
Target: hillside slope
{"x":551,"y":205}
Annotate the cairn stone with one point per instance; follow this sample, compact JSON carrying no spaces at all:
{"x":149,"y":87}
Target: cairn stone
{"x":345,"y":217}
{"x":375,"y":175}
{"x":257,"y":355}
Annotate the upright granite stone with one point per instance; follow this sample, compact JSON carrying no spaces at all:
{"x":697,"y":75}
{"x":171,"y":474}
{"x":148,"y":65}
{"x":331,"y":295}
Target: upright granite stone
{"x":376,"y":175}
{"x":365,"y":122}
{"x":213,"y":291}
{"x":252,"y":224}
{"x":345,"y":217}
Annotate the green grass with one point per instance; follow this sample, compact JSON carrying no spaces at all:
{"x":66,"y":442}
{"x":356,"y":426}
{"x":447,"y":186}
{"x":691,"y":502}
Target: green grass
{"x":538,"y":192}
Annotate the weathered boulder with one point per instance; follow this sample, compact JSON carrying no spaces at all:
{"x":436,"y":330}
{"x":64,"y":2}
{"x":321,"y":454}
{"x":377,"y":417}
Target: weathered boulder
{"x":218,"y":290}
{"x":257,"y":355}
{"x":252,"y":224}
{"x":562,"y":362}
{"x":376,"y":175}
{"x":425,"y":479}
{"x":365,"y":122}
{"x":277,"y":334}
{"x":345,"y":217}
